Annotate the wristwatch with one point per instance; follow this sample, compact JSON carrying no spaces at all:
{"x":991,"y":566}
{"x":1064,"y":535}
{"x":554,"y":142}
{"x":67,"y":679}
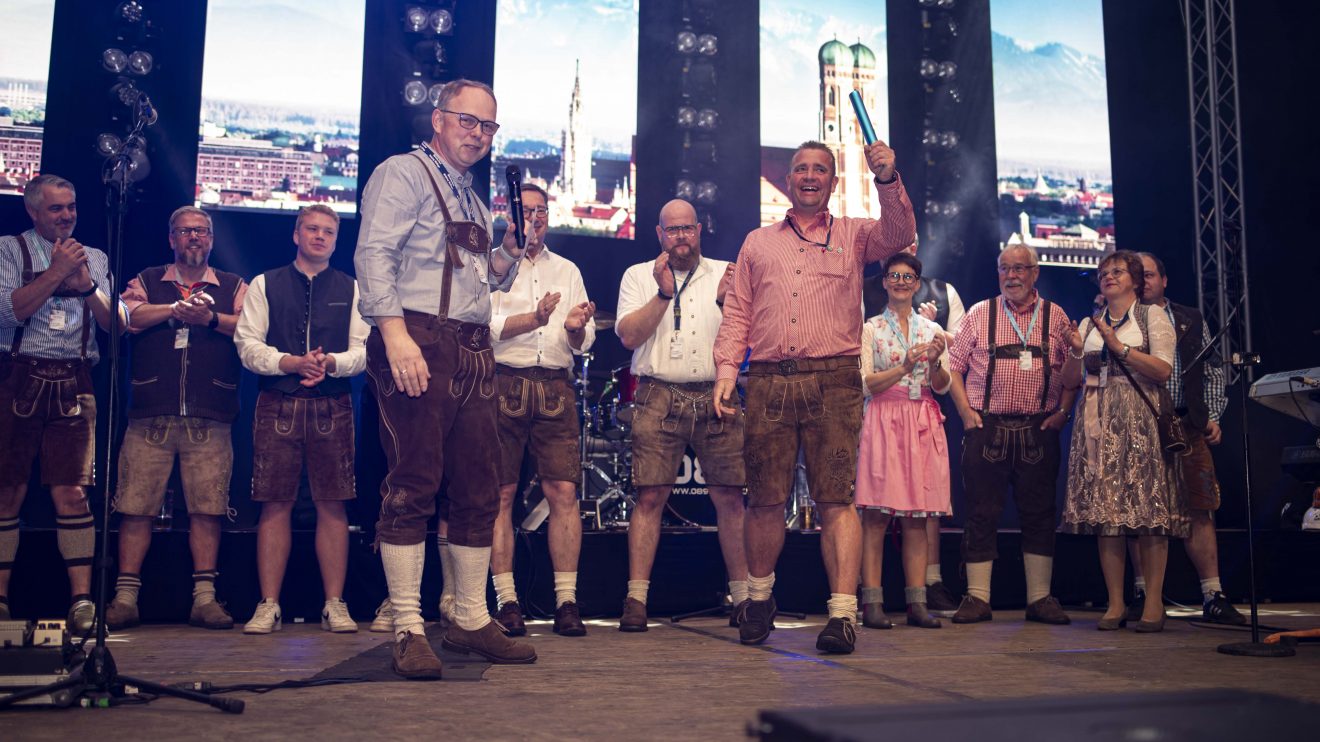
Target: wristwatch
{"x":88,"y":292}
{"x":1126,"y":350}
{"x":660,"y":293}
{"x":215,"y":320}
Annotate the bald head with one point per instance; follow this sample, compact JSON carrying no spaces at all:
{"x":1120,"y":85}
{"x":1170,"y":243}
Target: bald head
{"x":679,"y":233}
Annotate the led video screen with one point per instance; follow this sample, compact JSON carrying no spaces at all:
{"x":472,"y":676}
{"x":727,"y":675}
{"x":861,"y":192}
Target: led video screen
{"x":24,"y":66}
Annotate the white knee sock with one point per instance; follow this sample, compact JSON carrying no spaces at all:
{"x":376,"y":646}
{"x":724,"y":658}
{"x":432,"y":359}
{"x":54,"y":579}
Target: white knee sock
{"x":403,"y":574}
{"x":1209,"y":588}
{"x":565,"y":588}
{"x":446,"y":566}
{"x":842,"y":605}
{"x":737,"y":591}
{"x":504,"y":590}
{"x":978,"y":580}
{"x":1040,"y":572}
{"x":760,"y":588}
{"x":471,"y":563}
{"x":933,"y":574}
{"x":637,"y":589}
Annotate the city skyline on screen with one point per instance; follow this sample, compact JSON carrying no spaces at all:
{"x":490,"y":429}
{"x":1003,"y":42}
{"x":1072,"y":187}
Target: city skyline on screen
{"x":24,"y":68}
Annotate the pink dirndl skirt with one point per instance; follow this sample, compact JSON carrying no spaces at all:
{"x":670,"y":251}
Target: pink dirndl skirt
{"x":903,"y":464}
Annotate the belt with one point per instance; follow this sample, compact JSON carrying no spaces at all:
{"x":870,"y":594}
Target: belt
{"x":790,"y":366}
{"x":469,"y":333}
{"x":1015,"y":418}
{"x":534,"y":373}
{"x":687,"y":386}
{"x":45,"y":362}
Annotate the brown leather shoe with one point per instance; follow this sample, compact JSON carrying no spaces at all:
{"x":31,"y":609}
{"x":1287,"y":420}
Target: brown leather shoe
{"x":121,"y":615}
{"x":568,"y":622}
{"x":490,"y":642}
{"x":414,"y":659}
{"x":739,"y":612}
{"x":510,"y":616}
{"x":973,"y":610}
{"x":1047,"y":610}
{"x":211,"y":616}
{"x":634,"y":615}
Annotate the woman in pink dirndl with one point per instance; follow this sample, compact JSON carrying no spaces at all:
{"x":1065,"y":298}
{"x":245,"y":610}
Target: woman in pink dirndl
{"x":903,"y":465}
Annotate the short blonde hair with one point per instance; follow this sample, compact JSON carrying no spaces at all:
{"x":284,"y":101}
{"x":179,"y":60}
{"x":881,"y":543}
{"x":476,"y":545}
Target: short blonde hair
{"x":316,"y":209}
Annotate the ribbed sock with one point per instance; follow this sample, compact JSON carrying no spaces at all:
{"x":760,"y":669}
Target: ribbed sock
{"x":760,"y":588}
{"x":637,"y":589}
{"x":565,"y":588}
{"x":914,"y":594}
{"x":127,"y":586}
{"x":504,"y":590}
{"x":933,"y":574}
{"x":76,"y":536}
{"x":1208,"y":589}
{"x":204,"y":586}
{"x":873,"y":595}
{"x":842,"y":605}
{"x":1040,"y":572}
{"x":978,"y":580}
{"x":446,"y":566}
{"x":8,"y":543}
{"x":403,"y":574}
{"x":737,"y":591}
{"x":471,"y":563}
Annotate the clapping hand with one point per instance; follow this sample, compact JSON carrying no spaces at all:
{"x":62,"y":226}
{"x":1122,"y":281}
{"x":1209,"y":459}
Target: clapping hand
{"x":546,"y":307}
{"x":579,"y":316}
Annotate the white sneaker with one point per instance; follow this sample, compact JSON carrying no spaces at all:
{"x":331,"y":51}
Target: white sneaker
{"x":384,"y":621}
{"x":447,"y":603}
{"x":334,"y":617}
{"x":266,"y":619}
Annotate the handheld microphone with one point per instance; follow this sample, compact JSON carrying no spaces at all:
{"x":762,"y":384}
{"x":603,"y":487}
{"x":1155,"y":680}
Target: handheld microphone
{"x":514,"y":178}
{"x":863,"y":119}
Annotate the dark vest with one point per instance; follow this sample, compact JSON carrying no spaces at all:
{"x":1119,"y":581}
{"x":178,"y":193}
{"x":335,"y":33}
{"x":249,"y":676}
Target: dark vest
{"x":1187,"y":324}
{"x":198,"y":381}
{"x":875,"y":298}
{"x":306,"y":313}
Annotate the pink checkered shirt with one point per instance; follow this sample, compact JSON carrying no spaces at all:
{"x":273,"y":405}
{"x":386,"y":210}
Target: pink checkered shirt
{"x":792,"y":299}
{"x":1015,"y":392}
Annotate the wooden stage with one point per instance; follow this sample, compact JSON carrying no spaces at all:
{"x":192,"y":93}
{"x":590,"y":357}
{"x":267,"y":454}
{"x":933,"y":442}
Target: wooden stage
{"x":686,"y":681}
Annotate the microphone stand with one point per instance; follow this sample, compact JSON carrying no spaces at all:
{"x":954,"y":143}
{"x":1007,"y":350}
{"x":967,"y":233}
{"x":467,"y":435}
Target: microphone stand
{"x":98,"y":683}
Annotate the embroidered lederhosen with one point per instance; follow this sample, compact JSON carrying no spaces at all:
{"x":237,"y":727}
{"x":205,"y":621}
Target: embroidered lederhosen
{"x":1014,"y":350}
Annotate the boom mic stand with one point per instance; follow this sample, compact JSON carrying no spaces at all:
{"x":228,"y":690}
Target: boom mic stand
{"x":99,"y":682}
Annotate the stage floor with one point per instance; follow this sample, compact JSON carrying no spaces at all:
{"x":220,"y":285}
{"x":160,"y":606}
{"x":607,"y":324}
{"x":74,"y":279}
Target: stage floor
{"x":686,"y":681}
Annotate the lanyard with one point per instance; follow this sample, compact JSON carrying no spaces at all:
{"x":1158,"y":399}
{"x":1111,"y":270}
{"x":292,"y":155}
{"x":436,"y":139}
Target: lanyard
{"x":825,"y":246}
{"x":464,"y":200}
{"x":911,"y":339}
{"x":1013,"y":320}
{"x":678,"y":296}
{"x":188,"y":292}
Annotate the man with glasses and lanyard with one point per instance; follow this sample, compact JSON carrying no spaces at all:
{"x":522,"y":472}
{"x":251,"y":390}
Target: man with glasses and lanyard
{"x":1013,"y":405}
{"x":796,"y":301}
{"x":669,"y":313}
{"x":425,"y":270}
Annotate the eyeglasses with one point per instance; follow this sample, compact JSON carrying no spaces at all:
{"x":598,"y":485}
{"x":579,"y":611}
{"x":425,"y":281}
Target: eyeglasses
{"x":1112,"y":273}
{"x":897,"y":277}
{"x":535,"y":211}
{"x":468,"y":121}
{"x":684,"y":230}
{"x":1016,"y":269}
{"x":193,"y":231}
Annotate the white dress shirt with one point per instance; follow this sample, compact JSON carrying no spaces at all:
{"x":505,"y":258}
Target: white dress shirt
{"x":700,"y":322}
{"x":547,"y":346}
{"x":264,"y":360}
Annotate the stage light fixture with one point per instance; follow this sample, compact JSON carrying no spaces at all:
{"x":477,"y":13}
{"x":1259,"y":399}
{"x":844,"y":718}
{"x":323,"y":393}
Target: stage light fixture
{"x":932,"y":208}
{"x":954,"y":93}
{"x":687,"y":117}
{"x":414,"y":19}
{"x":708,"y":119}
{"x":949,"y":140}
{"x":431,"y":51}
{"x":952,"y":209}
{"x":685,"y":42}
{"x":114,"y":60}
{"x":708,"y":44}
{"x":948,"y":70}
{"x":441,"y":21}
{"x":414,"y":92}
{"x":140,"y":62}
{"x":929,"y":69}
{"x":108,"y":144}
{"x":707,"y":192}
{"x":130,"y":11}
{"x":929,"y":138}
{"x":684,"y":189}
{"x":125,"y":92}
{"x":945,"y":4}
{"x":433,"y":94}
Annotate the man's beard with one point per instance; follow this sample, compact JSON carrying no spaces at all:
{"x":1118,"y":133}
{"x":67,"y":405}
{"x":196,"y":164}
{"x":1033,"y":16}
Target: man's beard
{"x":684,"y":262}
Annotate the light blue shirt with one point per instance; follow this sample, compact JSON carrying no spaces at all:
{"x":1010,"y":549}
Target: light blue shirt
{"x":39,"y":339}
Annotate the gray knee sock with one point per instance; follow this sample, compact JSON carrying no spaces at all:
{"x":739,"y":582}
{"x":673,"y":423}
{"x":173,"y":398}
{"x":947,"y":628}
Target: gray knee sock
{"x":76,"y":536}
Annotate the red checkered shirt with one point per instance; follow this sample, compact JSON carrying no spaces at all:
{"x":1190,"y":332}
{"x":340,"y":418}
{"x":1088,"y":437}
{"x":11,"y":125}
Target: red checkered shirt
{"x":793,"y":299}
{"x":1015,"y":392}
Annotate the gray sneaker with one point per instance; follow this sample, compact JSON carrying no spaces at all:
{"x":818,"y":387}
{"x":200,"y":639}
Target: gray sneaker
{"x":121,"y":615}
{"x":82,"y":617}
{"x":210,"y":616}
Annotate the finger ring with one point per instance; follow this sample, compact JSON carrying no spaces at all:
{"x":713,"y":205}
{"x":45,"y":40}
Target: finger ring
{"x":403,"y":372}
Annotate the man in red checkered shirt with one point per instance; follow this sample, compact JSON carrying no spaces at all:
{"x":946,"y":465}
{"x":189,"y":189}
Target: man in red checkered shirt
{"x":1011,"y":351}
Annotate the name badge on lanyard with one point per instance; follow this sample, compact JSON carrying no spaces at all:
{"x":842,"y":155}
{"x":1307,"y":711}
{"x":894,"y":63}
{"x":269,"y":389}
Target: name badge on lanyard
{"x":181,"y":338}
{"x":1024,"y":360}
{"x":1024,"y":355}
{"x":676,"y":346}
{"x":58,"y":319}
{"x":913,"y":385}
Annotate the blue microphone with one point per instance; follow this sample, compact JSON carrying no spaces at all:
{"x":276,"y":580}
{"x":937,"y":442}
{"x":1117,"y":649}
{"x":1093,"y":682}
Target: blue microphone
{"x":868,"y":131}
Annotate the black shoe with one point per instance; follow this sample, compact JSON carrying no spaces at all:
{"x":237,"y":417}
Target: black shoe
{"x":757,"y":621}
{"x":940,"y":601}
{"x":1219,"y":610}
{"x":918,"y":615}
{"x":740,"y":610}
{"x":510,"y":616}
{"x":1135,"y":608}
{"x":838,"y":637}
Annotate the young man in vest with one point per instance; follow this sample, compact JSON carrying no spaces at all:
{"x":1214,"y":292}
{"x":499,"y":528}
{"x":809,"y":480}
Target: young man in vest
{"x":300,"y":331}
{"x":50,"y":289}
{"x":185,"y":396}
{"x":1013,"y":405}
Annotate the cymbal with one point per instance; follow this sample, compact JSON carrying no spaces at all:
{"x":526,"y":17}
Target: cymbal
{"x":604,"y":320}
